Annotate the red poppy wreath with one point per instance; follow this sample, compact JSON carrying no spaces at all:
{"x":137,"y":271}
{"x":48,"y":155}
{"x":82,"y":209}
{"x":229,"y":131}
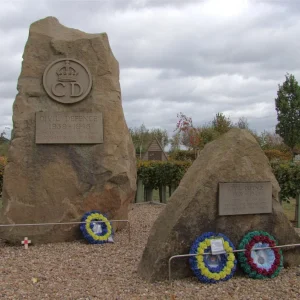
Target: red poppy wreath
{"x":261,"y":263}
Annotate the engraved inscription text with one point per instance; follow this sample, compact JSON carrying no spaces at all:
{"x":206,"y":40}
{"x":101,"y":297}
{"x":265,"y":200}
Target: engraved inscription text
{"x":69,"y":128}
{"x":245,"y":198}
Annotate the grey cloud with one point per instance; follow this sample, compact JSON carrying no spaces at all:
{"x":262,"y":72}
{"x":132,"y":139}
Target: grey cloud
{"x":6,"y":106}
{"x":10,"y":69}
{"x":218,"y":48}
{"x":173,"y":57}
{"x":7,"y":88}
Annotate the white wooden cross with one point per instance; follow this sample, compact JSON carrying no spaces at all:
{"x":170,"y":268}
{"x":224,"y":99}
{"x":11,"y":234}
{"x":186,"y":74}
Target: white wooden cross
{"x":26,"y":242}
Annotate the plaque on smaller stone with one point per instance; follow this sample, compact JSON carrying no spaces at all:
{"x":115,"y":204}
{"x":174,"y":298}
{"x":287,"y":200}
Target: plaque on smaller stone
{"x":69,"y":128}
{"x":241,"y":198}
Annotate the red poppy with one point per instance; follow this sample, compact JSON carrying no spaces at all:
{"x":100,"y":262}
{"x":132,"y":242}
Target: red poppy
{"x":256,"y":238}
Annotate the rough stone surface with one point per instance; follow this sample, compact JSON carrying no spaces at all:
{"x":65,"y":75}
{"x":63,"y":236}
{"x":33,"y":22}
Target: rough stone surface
{"x":59,"y":183}
{"x":192,"y":209}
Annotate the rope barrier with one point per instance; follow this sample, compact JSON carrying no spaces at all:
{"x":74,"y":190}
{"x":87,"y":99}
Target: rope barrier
{"x":68,"y":223}
{"x":234,"y":251}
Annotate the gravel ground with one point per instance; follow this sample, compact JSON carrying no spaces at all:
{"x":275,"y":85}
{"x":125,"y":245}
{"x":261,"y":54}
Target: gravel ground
{"x":82,"y":271}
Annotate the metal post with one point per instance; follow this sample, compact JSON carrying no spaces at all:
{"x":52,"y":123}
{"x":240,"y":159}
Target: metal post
{"x":172,"y":188}
{"x":129,"y":232}
{"x":162,"y":194}
{"x":149,"y":194}
{"x":177,"y":256}
{"x":139,"y":191}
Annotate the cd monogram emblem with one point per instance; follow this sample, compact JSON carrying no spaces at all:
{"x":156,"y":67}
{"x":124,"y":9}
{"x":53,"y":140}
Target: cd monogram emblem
{"x":67,"y":80}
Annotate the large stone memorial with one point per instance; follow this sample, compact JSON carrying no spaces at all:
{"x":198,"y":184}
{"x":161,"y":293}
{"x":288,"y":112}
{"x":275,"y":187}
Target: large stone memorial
{"x":71,"y":151}
{"x":230,"y":189}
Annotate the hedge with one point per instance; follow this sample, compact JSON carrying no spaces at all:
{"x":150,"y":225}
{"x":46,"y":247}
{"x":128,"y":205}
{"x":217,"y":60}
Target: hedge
{"x":3,"y":162}
{"x":277,"y":155}
{"x":157,"y":173}
{"x":183,"y":155}
{"x":288,"y":177}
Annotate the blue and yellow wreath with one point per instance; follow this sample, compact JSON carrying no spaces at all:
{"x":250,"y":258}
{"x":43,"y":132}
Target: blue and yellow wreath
{"x":96,"y":232}
{"x":212,"y":268}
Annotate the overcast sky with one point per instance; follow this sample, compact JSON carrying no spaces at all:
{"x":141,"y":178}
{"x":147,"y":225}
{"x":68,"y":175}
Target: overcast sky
{"x":191,"y":56}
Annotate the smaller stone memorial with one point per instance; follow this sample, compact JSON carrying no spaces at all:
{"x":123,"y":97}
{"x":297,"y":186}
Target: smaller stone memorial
{"x":230,"y":189}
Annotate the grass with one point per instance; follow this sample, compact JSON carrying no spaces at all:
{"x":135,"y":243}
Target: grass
{"x":156,"y":195}
{"x":289,"y":209}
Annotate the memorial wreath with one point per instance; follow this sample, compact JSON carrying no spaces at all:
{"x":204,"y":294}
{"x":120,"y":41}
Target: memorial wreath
{"x":96,"y":232}
{"x":210,"y":268}
{"x":263,"y":263}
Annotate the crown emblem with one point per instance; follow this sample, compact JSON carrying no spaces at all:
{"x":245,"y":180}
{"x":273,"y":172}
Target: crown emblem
{"x":66,"y":73}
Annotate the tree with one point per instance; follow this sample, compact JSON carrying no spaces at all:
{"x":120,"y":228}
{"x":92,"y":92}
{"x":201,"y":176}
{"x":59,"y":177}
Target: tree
{"x":175,"y":142}
{"x":4,"y":131}
{"x":208,"y":134}
{"x":271,"y":141}
{"x":189,"y":135}
{"x":4,"y":142}
{"x":242,"y":123}
{"x":221,"y":123}
{"x":139,"y":136}
{"x":142,"y":137}
{"x":288,"y":111}
{"x":161,"y":135}
{"x":196,"y":138}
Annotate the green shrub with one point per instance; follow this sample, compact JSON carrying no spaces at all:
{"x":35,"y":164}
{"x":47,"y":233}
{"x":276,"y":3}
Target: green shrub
{"x":288,"y":177}
{"x":277,"y":155}
{"x":4,"y":149}
{"x":3,"y":162}
{"x":158,"y":173}
{"x":183,"y":155}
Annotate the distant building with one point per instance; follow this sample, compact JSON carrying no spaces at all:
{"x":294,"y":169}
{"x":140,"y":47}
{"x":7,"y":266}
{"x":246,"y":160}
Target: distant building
{"x":155,"y":152}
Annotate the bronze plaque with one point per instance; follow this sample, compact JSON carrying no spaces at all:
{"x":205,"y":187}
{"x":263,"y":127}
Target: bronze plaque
{"x":69,"y":128}
{"x":67,"y":80}
{"x":243,"y":198}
